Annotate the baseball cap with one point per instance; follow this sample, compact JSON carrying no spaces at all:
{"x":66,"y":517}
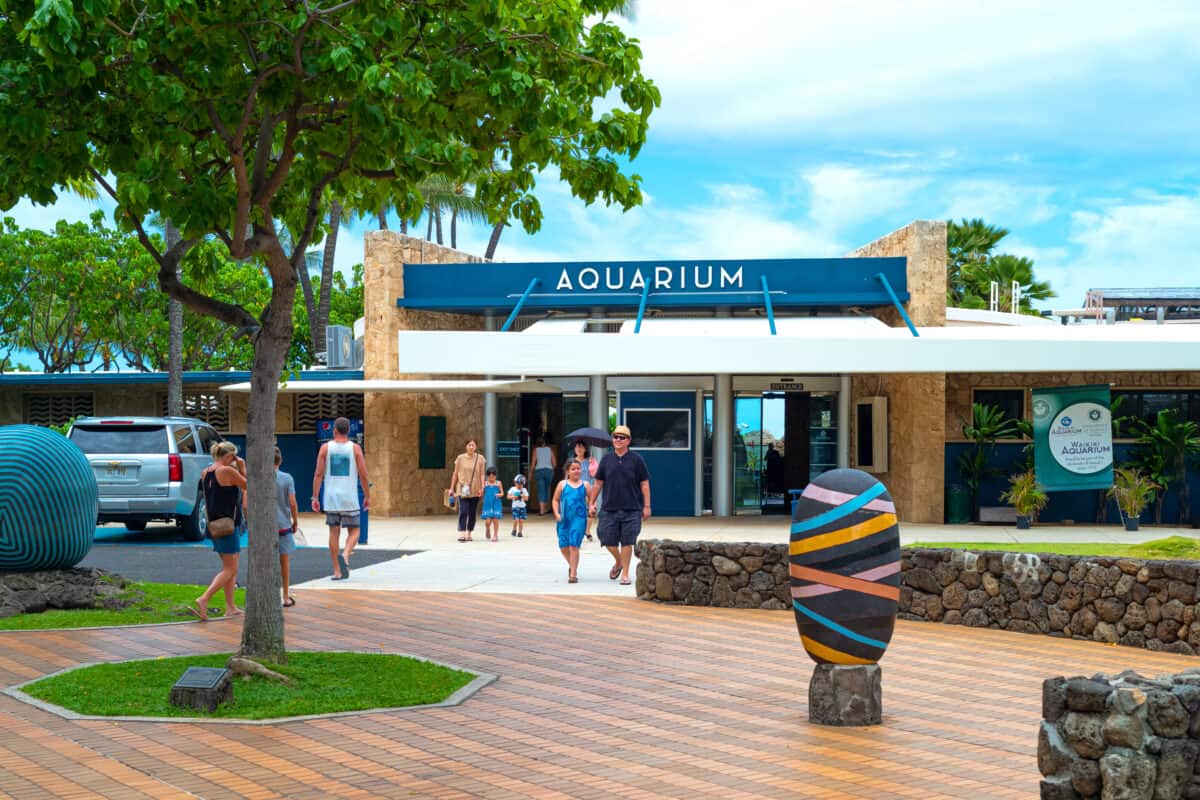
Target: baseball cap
{"x":623,"y":429}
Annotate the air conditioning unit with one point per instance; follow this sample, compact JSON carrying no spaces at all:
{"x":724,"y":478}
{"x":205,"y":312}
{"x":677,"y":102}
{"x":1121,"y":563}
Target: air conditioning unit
{"x":339,"y":347}
{"x":359,"y":352}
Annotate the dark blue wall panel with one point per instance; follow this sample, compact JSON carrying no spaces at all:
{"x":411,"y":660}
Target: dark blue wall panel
{"x":672,"y":472}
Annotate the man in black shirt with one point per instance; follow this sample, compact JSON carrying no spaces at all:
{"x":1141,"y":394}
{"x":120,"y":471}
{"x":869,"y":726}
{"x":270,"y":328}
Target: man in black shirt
{"x":623,"y":476}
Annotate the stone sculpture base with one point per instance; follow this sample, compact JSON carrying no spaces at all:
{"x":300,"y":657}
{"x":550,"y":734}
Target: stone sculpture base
{"x":846,"y":695}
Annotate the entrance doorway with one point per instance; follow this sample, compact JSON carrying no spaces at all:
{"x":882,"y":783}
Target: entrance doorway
{"x":781,"y":441}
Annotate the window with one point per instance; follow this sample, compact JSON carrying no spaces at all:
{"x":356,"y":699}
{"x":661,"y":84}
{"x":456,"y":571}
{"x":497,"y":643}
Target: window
{"x":120,"y":439}
{"x":660,"y":428}
{"x":1130,"y":407}
{"x":207,"y":406}
{"x":208,"y":437}
{"x":185,"y":443}
{"x":55,"y":409}
{"x":308,"y":408}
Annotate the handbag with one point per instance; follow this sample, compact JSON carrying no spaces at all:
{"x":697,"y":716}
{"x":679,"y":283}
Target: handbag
{"x":220,"y":527}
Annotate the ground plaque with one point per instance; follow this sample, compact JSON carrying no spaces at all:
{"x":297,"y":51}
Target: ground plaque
{"x":203,"y":688}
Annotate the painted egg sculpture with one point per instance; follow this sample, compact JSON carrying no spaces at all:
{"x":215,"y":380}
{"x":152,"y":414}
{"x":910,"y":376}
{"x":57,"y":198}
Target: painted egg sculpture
{"x":48,"y":500}
{"x":844,"y":560}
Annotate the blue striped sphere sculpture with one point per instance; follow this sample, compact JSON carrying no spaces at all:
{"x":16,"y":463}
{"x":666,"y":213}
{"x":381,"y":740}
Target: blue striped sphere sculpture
{"x":844,"y":560}
{"x":48,"y":500}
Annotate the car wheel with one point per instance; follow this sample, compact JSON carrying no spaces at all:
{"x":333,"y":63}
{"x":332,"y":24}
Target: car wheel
{"x":195,"y":525}
{"x":135,"y":525}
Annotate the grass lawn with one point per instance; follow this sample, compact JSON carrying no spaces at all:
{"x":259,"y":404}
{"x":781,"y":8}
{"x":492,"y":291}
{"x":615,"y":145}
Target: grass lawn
{"x":1174,"y":547}
{"x":162,"y":602}
{"x":324,"y":683}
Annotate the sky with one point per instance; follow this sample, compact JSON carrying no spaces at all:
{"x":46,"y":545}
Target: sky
{"x":808,"y":129}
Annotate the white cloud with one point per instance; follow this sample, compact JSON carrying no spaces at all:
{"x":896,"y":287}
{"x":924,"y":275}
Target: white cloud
{"x":999,"y":202}
{"x":769,"y":68}
{"x":843,"y":196}
{"x":1147,"y":241}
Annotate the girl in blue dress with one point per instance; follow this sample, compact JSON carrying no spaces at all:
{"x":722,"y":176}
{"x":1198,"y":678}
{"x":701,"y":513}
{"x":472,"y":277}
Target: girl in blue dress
{"x":493,"y":505}
{"x":570,"y":509}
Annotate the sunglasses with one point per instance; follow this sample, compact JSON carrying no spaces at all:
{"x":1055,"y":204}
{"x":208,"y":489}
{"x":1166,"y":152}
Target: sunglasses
{"x":620,"y":436}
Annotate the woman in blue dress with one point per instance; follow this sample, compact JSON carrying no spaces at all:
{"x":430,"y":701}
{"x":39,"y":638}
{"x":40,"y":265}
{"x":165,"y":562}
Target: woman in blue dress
{"x":570,"y":509}
{"x":493,"y":505}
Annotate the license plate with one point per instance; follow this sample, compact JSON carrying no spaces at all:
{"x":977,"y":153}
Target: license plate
{"x":116,"y":472}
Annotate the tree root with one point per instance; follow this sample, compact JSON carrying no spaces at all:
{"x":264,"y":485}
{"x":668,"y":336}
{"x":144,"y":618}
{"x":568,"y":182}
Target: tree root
{"x":240,"y":665}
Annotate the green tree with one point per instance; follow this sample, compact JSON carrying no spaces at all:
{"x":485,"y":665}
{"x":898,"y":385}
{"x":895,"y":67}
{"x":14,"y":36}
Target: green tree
{"x":987,"y":424}
{"x":972,"y":265}
{"x":225,"y":117}
{"x":1169,"y":445}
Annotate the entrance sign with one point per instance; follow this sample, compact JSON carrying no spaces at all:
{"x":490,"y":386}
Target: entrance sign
{"x":1072,"y":435}
{"x":787,"y":387}
{"x":508,"y":449}
{"x":701,"y":283}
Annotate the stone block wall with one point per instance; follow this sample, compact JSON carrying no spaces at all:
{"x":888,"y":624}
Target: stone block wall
{"x":916,"y":403}
{"x":1148,"y":604}
{"x":391,"y":419}
{"x":1122,"y":737}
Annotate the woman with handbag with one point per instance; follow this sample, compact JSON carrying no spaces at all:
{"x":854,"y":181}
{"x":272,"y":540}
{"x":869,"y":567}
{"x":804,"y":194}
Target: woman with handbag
{"x":466,"y":484}
{"x":223,"y":484}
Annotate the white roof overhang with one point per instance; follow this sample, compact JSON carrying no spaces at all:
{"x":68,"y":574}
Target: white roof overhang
{"x":468,"y":386}
{"x":808,"y":345}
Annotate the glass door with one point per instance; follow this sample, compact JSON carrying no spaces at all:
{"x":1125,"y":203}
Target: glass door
{"x":773,"y":441}
{"x":747,"y":453}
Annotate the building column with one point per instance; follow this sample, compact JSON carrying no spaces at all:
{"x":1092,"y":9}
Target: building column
{"x":598,"y":407}
{"x":722,"y":453}
{"x":843,"y":436}
{"x":698,"y":452}
{"x":489,"y":406}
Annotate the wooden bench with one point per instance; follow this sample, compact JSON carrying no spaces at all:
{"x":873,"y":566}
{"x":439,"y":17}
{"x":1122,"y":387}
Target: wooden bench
{"x":997,"y":514}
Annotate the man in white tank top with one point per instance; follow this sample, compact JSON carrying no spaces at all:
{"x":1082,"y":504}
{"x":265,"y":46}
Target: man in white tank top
{"x":342,"y":468}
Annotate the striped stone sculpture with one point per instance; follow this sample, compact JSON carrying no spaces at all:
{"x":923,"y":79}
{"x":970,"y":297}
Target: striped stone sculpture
{"x":48,"y":500}
{"x":844,"y":560}
{"x":845,"y":567}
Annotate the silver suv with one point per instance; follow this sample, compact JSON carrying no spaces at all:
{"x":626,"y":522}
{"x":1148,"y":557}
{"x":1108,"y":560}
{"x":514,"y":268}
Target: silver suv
{"x":148,"y":468}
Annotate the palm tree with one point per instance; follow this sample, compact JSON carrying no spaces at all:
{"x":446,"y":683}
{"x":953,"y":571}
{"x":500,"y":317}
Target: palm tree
{"x":1008,"y":269}
{"x":969,"y":243}
{"x":1170,"y":443}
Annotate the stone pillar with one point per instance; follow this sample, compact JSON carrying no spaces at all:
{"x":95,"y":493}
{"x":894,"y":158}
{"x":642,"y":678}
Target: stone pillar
{"x":722,"y":444}
{"x":846,"y":695}
{"x":844,"y":422}
{"x":489,"y":405}
{"x":916,"y":403}
{"x":392,"y":419}
{"x":598,"y":407}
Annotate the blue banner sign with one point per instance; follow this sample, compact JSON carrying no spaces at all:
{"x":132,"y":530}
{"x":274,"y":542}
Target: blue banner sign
{"x":789,"y":282}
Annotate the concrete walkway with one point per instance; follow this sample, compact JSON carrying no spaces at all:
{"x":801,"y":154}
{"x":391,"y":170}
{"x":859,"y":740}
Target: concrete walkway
{"x":533,"y":565}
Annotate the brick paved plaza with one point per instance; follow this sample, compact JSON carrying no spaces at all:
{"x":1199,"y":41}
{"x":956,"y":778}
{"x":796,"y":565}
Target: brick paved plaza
{"x":598,"y":697}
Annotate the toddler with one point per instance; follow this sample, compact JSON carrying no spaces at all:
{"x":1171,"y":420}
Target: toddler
{"x":519,"y":496}
{"x":493,"y":505}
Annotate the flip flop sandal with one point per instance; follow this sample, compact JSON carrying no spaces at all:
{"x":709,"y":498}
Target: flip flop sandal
{"x":345,"y":567}
{"x":572,"y":579}
{"x":625,"y":582}
{"x":614,"y":573}
{"x":463,"y":539}
{"x":291,"y":601}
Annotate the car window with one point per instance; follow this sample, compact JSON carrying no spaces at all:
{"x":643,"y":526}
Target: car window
{"x":120,"y":438}
{"x":208,"y":437}
{"x":185,"y":442}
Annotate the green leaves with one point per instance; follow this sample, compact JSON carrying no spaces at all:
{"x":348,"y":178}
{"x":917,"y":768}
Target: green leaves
{"x":971,"y":268}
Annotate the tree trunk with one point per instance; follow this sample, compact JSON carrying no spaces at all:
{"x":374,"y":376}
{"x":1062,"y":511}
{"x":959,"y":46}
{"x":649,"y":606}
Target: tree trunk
{"x":263,"y":625}
{"x":323,"y":300}
{"x":404,"y":226}
{"x":1185,"y":497}
{"x":497,"y":229}
{"x":174,"y":337}
{"x":429,"y":225}
{"x":454,"y":229}
{"x":310,"y":306}
{"x":437,"y":219}
{"x":383,"y":219}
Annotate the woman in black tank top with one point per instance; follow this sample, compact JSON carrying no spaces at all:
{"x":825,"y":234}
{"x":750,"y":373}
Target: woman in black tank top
{"x":223,"y":484}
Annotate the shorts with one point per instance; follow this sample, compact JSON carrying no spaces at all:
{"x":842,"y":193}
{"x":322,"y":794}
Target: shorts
{"x":344,"y":519}
{"x":287,"y":542}
{"x":619,"y":528}
{"x":544,"y":478}
{"x":520,"y":513}
{"x":228,"y":545}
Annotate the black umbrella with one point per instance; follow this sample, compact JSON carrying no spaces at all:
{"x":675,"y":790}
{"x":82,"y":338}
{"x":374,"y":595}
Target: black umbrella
{"x":594,"y":437}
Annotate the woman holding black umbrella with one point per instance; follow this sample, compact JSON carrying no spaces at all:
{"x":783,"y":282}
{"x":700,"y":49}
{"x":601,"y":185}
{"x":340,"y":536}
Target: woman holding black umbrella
{"x":587,"y":466}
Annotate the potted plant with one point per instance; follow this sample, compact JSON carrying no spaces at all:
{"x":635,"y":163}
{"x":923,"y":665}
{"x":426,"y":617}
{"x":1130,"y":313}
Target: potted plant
{"x":1026,"y":495}
{"x":1133,"y":491}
